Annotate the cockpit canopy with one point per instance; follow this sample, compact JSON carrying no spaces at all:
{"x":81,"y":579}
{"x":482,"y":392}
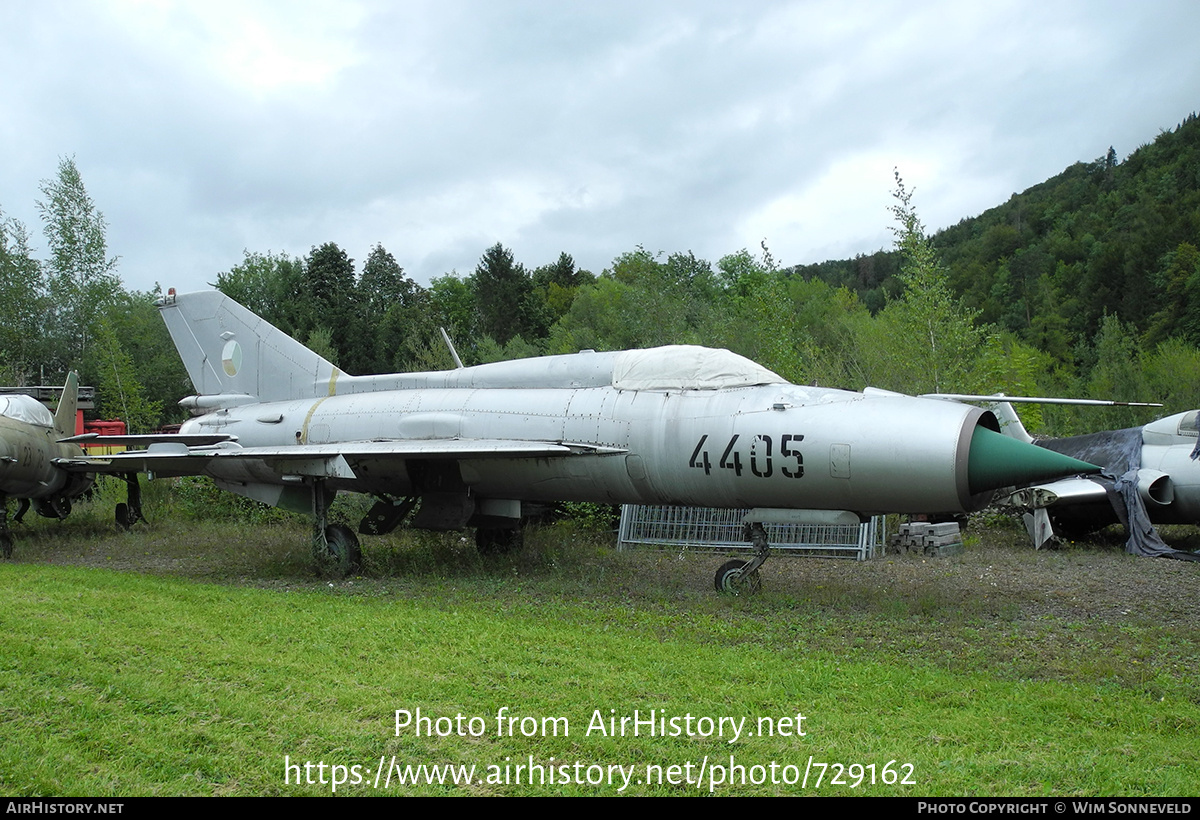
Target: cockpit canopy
{"x":1177,"y":429}
{"x":687,"y":367}
{"x":19,"y":407}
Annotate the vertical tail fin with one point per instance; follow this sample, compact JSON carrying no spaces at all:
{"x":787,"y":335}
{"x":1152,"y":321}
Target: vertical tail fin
{"x":68,"y":407}
{"x":1010,"y":422}
{"x":229,"y":351}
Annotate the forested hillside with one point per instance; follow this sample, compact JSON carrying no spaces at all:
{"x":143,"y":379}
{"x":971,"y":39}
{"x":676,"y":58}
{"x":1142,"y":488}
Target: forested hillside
{"x":1087,"y":284}
{"x":1105,"y":237}
{"x":1097,"y":268}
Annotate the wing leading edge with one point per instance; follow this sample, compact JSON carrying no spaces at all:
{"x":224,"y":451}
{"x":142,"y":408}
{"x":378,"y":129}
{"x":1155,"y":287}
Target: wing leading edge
{"x":164,"y":457}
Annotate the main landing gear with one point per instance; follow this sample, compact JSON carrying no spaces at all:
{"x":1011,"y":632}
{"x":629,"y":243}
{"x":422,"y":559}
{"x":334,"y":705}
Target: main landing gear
{"x":335,"y":547}
{"x":6,"y":539}
{"x":341,"y":553}
{"x":738,"y":577}
{"x":130,"y":512}
{"x":495,"y":534}
{"x":58,"y":506}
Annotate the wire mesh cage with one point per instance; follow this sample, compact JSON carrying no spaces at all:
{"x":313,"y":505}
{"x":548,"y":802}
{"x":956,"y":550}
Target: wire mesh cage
{"x":709,"y":528}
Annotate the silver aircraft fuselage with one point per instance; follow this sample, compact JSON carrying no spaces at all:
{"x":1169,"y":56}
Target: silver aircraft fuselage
{"x":674,"y":425}
{"x":680,"y":425}
{"x":778,"y":445}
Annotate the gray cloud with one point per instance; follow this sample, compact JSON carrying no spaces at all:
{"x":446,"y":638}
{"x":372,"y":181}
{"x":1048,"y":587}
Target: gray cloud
{"x":441,"y":128}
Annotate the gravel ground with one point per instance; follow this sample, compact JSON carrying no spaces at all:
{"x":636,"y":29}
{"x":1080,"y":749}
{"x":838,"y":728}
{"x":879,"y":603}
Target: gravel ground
{"x":1077,"y":582}
{"x":997,"y":575}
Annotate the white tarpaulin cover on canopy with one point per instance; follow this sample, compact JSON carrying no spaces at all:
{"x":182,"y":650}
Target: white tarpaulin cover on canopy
{"x":687,"y":367}
{"x":24,"y":408}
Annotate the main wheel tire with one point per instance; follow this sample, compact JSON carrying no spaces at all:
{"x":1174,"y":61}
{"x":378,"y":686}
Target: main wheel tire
{"x":732,"y":579}
{"x":123,"y":516}
{"x":498,"y":540}
{"x":343,"y":551}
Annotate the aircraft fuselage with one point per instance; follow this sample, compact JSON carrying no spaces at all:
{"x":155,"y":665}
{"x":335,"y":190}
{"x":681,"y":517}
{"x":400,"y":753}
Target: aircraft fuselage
{"x":764,"y":446}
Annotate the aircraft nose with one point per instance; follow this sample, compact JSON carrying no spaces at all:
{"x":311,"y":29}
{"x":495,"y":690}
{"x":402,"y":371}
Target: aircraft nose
{"x":996,"y":461}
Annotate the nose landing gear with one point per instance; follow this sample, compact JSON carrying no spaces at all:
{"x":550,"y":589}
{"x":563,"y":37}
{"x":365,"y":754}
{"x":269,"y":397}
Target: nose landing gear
{"x":738,"y":577}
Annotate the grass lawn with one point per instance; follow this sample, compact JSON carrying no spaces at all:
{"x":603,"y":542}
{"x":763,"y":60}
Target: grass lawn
{"x":207,"y":658}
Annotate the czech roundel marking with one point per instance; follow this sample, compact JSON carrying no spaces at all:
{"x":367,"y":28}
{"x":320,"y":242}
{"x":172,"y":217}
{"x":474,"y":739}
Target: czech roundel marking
{"x":231,"y":357}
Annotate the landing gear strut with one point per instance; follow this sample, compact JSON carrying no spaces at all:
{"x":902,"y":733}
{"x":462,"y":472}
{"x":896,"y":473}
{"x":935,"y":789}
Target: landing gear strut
{"x":130,"y":512}
{"x":738,"y":577}
{"x":6,"y":539}
{"x":335,"y":546}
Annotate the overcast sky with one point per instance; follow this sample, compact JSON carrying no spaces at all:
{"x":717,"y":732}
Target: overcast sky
{"x":440,"y":128}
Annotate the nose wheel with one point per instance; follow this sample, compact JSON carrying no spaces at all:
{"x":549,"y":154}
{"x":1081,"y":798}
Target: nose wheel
{"x":738,"y":577}
{"x":733,"y":579}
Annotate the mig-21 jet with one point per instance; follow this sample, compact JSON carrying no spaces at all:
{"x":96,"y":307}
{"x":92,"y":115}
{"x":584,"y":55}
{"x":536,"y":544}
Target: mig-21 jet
{"x":680,"y":425}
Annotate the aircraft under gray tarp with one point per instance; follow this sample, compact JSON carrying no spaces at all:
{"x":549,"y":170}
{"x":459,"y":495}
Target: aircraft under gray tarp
{"x":29,"y":448}
{"x":1151,"y":476}
{"x":678,"y":425}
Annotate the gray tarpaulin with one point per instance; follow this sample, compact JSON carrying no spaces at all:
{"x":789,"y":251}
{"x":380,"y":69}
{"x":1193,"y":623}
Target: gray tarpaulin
{"x":1120,"y":453}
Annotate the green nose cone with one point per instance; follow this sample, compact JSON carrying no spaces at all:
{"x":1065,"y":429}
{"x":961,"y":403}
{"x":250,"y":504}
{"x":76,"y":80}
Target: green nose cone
{"x":998,"y":461}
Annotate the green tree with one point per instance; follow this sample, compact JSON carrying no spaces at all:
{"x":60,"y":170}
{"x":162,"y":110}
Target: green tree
{"x":505,"y":298}
{"x":268,"y":284}
{"x":755,"y":315}
{"x":81,"y":277}
{"x":383,"y":284}
{"x":555,"y":286}
{"x":454,"y":307}
{"x":561,"y":272}
{"x":1118,"y":374}
{"x":825,"y":320}
{"x":119,"y":391}
{"x":639,"y":302}
{"x":396,"y":316}
{"x":1179,"y":281}
{"x":602,"y":316}
{"x":1172,"y":375}
{"x":930,"y":339}
{"x":329,"y":290}
{"x":135,"y":325}
{"x":22,"y":304}
{"x":320,"y":341}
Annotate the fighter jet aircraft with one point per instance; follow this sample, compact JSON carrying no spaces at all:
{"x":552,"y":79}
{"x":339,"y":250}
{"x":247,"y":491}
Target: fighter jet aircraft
{"x":1151,"y":476}
{"x":678,"y":425}
{"x":29,"y":448}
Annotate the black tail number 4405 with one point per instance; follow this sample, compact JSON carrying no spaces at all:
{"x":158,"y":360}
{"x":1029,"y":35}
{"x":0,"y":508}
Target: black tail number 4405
{"x":759,"y":456}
